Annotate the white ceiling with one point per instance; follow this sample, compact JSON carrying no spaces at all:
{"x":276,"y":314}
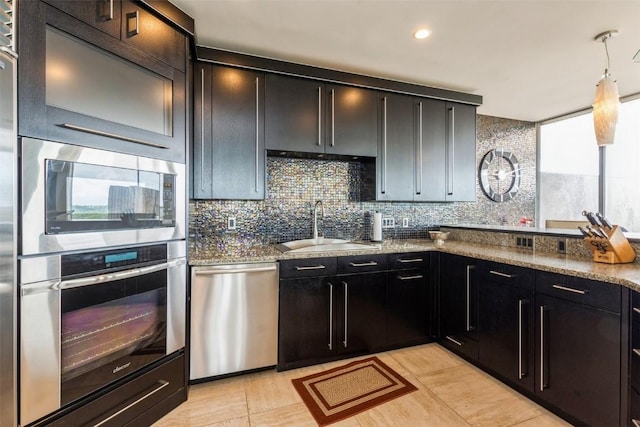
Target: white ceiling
{"x":530,"y":60}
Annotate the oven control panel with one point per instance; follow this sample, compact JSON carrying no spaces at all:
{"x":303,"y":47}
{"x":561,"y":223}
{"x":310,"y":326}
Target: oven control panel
{"x":88,"y":263}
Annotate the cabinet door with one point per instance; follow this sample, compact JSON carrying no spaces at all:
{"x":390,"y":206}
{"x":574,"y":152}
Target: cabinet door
{"x":506,"y":325}
{"x":101,"y":14}
{"x":430,"y":151}
{"x":408,"y":307}
{"x":307,"y":321}
{"x":395,"y":163}
{"x":150,"y":34}
{"x":293,"y":114}
{"x":228,"y":134}
{"x":459,"y":304}
{"x":461,"y":153}
{"x":352,"y":121}
{"x":362,"y":313}
{"x":578,"y":356}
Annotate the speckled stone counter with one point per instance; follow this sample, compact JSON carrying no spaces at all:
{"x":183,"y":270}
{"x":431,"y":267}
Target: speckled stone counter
{"x":622,"y":274}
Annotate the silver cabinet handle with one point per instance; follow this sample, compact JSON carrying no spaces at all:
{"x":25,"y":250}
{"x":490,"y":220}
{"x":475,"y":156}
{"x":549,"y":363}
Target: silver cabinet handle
{"x":564,"y":288}
{"x":468,"y":297}
{"x":451,"y":165}
{"x":383,"y":187}
{"x":330,"y":316}
{"x":636,"y":351}
{"x":202,"y":169}
{"x":346,"y":311}
{"x":419,"y":156}
{"x":257,"y":131}
{"x":497,"y":273}
{"x":135,"y":16}
{"x":211,"y":271}
{"x":162,"y":385}
{"x":333,"y":117}
{"x":310,"y":267}
{"x":404,"y":261}
{"x":111,"y":135}
{"x":636,"y":309}
{"x":542,"y":349}
{"x":521,"y":372}
{"x":635,"y":422}
{"x":456,"y":342}
{"x":319,"y":115}
{"x":417,"y":276}
{"x":363,"y":264}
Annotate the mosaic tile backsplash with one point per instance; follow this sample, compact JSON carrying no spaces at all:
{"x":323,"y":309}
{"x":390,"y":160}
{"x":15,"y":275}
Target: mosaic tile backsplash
{"x":294,"y":185}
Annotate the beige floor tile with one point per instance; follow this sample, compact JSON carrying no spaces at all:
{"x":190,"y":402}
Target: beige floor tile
{"x":478,"y":398}
{"x":426,"y":358}
{"x":419,"y":408}
{"x":545,"y":420}
{"x":295,"y":415}
{"x":271,"y":389}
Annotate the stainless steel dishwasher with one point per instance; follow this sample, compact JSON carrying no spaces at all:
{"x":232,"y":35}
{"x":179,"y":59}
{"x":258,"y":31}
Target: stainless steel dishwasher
{"x":234,"y":318}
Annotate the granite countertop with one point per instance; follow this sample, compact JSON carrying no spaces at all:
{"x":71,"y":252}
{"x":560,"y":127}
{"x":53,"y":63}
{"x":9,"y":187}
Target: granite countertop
{"x":627,"y":275}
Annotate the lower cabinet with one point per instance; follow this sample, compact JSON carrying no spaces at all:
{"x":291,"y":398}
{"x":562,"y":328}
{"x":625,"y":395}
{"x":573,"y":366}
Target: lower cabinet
{"x":332,"y":308}
{"x":506,"y":322}
{"x":459,"y":304}
{"x":634,"y":360}
{"x":578,"y":354}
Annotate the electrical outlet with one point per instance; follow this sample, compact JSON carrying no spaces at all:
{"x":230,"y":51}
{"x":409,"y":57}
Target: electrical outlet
{"x":524,"y":242}
{"x":231,"y":223}
{"x":405,"y":222}
{"x":388,"y":223}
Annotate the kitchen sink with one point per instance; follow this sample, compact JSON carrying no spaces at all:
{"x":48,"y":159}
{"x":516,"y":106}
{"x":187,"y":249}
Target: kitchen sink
{"x":322,"y":244}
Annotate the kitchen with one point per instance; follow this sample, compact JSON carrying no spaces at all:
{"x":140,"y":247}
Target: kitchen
{"x":217,"y":228}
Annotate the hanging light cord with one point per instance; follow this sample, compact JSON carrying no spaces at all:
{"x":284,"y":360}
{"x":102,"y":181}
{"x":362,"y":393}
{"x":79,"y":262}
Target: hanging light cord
{"x":606,"y":50}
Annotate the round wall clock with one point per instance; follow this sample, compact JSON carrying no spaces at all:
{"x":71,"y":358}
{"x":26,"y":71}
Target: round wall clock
{"x":499,"y":174}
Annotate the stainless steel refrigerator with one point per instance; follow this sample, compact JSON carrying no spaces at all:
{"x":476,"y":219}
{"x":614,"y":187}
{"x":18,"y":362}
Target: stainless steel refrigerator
{"x":8,"y":234}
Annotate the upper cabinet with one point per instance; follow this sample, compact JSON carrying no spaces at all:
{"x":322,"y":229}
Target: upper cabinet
{"x":313,"y":117}
{"x":103,"y":74}
{"x":228,"y":144}
{"x":427,"y":150}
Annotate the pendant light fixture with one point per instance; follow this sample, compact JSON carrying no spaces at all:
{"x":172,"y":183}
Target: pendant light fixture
{"x":607,"y":101}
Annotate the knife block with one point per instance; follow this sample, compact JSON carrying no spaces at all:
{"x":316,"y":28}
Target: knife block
{"x":615,"y":249}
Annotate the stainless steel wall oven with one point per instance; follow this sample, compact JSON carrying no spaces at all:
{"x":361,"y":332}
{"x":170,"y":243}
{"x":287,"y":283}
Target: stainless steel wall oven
{"x":76,"y":197}
{"x":91,"y":318}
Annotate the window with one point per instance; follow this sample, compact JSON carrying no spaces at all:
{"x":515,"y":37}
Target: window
{"x":572,"y":169}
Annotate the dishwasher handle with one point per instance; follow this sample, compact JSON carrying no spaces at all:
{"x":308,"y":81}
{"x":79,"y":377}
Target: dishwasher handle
{"x":211,"y":271}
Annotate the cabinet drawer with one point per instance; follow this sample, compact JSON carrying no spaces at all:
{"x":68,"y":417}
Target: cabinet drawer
{"x":507,"y":274}
{"x":462,"y":344}
{"x":601,"y":295}
{"x":634,"y":403}
{"x":408,"y":260}
{"x":308,"y":267}
{"x":362,"y":263}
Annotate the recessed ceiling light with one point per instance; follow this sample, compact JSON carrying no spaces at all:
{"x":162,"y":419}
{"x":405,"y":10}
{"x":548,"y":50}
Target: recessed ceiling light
{"x":422,"y":33}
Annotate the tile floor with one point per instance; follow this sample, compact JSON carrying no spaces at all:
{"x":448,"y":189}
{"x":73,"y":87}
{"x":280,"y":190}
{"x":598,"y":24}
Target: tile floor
{"x":451,"y":392}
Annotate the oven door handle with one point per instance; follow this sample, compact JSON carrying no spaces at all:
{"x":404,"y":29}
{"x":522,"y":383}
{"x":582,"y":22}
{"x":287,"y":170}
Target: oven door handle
{"x":104,"y":278}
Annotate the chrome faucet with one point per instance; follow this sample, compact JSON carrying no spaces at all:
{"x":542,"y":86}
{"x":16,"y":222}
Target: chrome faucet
{"x":315,"y":218}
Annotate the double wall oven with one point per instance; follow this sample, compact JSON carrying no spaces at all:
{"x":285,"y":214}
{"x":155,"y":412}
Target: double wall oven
{"x":102,"y":275}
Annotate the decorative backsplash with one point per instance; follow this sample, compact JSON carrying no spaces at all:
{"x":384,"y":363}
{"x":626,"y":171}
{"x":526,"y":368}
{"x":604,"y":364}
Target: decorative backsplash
{"x":294,"y":185}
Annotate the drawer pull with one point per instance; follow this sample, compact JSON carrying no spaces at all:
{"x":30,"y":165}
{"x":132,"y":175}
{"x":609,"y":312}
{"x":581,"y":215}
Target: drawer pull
{"x":111,"y":135}
{"x":417,"y":276}
{"x":635,"y":422}
{"x":636,"y":351}
{"x":162,"y":385}
{"x":456,"y":342}
{"x":363,"y":264}
{"x":310,"y":267}
{"x":636,"y":309}
{"x":497,"y":273}
{"x":405,"y":261}
{"x":575,"y":291}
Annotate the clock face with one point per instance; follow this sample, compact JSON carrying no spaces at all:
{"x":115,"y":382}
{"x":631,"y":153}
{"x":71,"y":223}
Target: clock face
{"x":499,"y":175}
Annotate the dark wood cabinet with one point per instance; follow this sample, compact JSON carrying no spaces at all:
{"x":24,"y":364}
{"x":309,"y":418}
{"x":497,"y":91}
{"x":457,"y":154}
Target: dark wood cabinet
{"x":506,"y":323}
{"x":459,"y":304}
{"x":430,"y":151}
{"x":101,"y":14}
{"x":79,"y":85}
{"x":578,"y":350}
{"x":460,"y":153}
{"x":395,"y":163}
{"x":309,"y":116}
{"x":408,"y":293}
{"x":228,"y":145}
